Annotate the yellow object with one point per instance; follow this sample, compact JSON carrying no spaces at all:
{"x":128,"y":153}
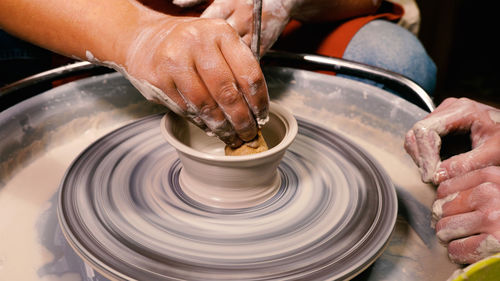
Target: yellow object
{"x":487,"y":269}
{"x":254,"y":146}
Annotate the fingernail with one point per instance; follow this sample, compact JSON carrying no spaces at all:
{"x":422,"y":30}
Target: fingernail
{"x":231,"y":140}
{"x":440,"y":175}
{"x":236,"y":143}
{"x":249,"y":133}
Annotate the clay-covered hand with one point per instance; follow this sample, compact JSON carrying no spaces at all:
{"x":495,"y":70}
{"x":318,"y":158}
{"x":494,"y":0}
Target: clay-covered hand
{"x":187,"y":3}
{"x":423,"y":141}
{"x":238,"y":13}
{"x":202,"y":70}
{"x":468,"y":214}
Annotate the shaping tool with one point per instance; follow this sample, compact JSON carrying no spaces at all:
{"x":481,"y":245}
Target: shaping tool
{"x":257,"y":20}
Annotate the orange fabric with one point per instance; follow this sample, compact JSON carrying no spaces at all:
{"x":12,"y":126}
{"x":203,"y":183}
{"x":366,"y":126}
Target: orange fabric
{"x":330,"y":39}
{"x":336,"y":42}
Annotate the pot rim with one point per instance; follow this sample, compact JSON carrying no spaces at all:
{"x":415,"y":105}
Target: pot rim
{"x":282,"y":113}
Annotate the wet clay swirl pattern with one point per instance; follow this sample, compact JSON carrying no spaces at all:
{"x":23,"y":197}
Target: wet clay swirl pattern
{"x":122,"y":209}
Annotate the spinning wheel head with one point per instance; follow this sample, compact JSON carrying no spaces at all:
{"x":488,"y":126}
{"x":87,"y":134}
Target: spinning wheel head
{"x":221,"y":181}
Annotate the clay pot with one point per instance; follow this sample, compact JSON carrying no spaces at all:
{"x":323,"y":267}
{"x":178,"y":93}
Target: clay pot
{"x":214,"y":179}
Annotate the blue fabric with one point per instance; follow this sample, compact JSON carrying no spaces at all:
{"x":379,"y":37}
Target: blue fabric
{"x":389,"y":46}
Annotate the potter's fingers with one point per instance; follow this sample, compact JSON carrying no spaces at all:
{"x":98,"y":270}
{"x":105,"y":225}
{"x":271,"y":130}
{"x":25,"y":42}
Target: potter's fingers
{"x":411,"y":147}
{"x":201,"y":106}
{"x":181,"y":107}
{"x":484,"y":197}
{"x":453,"y":115}
{"x":472,"y":249}
{"x":458,"y":115}
{"x":468,"y":180}
{"x":239,"y":21}
{"x":485,"y":155}
{"x":247,"y":39}
{"x":163,"y":92}
{"x":455,"y":204}
{"x":168,"y":95}
{"x":437,"y":208}
{"x":458,"y":226}
{"x":428,"y":143}
{"x":219,"y":9}
{"x":443,"y":105}
{"x":249,"y":75}
{"x":187,"y":3}
{"x":222,"y":85}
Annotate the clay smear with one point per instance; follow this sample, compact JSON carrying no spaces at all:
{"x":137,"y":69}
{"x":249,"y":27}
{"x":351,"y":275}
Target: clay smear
{"x":437,"y":208}
{"x":252,"y":147}
{"x":22,"y":201}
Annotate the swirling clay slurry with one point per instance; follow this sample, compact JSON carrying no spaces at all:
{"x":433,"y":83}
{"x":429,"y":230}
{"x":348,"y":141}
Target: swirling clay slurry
{"x":25,"y":198}
{"x":303,"y":224}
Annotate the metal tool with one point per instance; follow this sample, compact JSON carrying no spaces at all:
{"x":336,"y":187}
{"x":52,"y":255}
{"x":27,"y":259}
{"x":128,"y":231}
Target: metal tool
{"x":257,"y":20}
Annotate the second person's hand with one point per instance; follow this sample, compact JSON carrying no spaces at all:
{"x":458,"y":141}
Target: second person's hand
{"x":239,"y":14}
{"x":482,"y":122}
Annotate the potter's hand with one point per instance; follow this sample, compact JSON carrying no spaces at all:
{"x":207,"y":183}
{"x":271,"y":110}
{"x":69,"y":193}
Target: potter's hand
{"x":187,"y":3}
{"x":468,"y":210}
{"x":202,"y":70}
{"x":238,"y":13}
{"x":423,"y":141}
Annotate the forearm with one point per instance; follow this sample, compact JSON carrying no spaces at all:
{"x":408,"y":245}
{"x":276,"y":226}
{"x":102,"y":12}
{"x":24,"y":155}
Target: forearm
{"x":199,"y":68}
{"x":333,"y":10}
{"x":73,"y":28}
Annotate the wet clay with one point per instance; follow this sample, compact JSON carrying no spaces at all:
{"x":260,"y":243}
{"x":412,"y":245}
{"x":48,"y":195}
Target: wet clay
{"x":406,"y":248}
{"x":325,"y":183}
{"x":254,"y":146}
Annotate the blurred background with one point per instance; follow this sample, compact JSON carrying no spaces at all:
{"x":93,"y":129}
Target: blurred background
{"x":461,"y":38}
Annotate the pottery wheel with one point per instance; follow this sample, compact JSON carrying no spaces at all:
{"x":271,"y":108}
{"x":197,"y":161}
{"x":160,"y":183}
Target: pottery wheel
{"x":122,"y":210}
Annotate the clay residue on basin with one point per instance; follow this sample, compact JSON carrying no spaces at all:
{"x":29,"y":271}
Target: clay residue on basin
{"x":24,"y":199}
{"x":39,"y":140}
